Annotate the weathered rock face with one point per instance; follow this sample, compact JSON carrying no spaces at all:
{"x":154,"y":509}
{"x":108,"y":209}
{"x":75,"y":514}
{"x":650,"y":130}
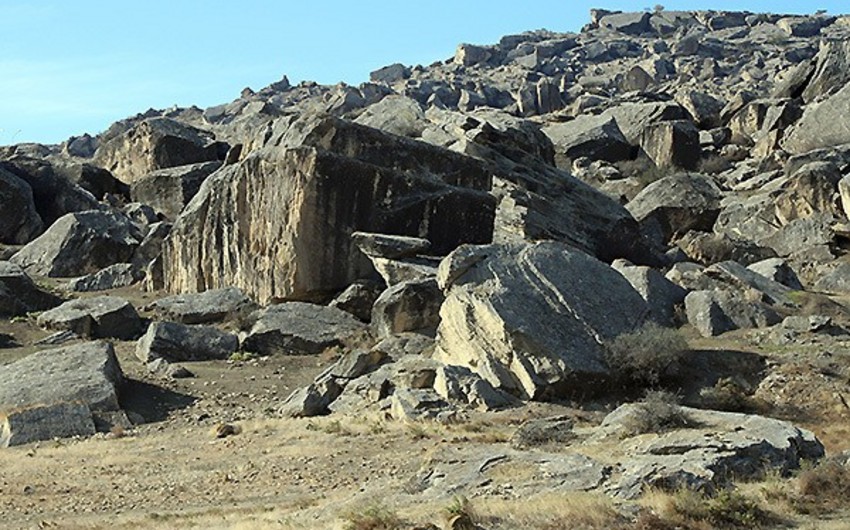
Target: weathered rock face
{"x":278,"y":224}
{"x":98,"y":317}
{"x":87,"y":373}
{"x":95,"y":180}
{"x":297,"y":328}
{"x":672,"y":144}
{"x":408,"y":306}
{"x":818,"y":127}
{"x":157,"y":143}
{"x":46,"y":422}
{"x":596,"y":137}
{"x":673,"y":205}
{"x":19,"y":295}
{"x":54,"y":195}
{"x":532,"y":318}
{"x":177,"y":342}
{"x":215,"y":305}
{"x":19,"y":221}
{"x":80,"y":243}
{"x":715,"y":312}
{"x":169,"y":190}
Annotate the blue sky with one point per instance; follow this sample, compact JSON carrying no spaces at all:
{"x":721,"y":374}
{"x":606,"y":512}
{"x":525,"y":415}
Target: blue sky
{"x":68,"y":67}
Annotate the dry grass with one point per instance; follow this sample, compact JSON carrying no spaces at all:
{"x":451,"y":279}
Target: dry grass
{"x":568,"y":511}
{"x":822,"y":489}
{"x":375,"y":517}
{"x":694,"y":510}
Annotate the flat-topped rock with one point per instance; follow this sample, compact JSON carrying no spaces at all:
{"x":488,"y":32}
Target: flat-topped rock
{"x":98,"y":317}
{"x":389,"y":246}
{"x":215,"y":305}
{"x":178,"y":342}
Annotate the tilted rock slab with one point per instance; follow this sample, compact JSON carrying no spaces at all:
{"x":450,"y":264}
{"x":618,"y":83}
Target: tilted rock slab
{"x":55,"y":393}
{"x":19,"y":295}
{"x":19,"y":221}
{"x":532,"y":318}
{"x":279,"y":223}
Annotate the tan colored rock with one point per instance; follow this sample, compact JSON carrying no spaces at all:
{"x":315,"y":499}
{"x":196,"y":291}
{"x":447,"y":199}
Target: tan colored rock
{"x":154,"y":144}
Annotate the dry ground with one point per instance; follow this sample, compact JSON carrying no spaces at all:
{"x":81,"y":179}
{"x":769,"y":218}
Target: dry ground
{"x":318,"y":473}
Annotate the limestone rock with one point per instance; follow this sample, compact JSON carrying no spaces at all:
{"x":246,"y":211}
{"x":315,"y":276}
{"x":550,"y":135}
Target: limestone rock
{"x":88,"y":373}
{"x":98,"y":317}
{"x":459,"y":384}
{"x":831,"y":71}
{"x":46,"y":422}
{"x":673,"y":205}
{"x":661,"y":295}
{"x":358,"y":299}
{"x":595,"y":137}
{"x":396,"y":115}
{"x":19,"y":221}
{"x":778,"y":270}
{"x":112,"y":277}
{"x":178,"y":342}
{"x":156,"y":143}
{"x":19,"y":295}
{"x":715,"y":312}
{"x":532,"y":318}
{"x":168,"y":191}
{"x":408,"y":306}
{"x":672,"y":144}
{"x":818,"y":128}
{"x":297,"y":328}
{"x":389,"y":246}
{"x":533,"y":433}
{"x":215,"y":305}
{"x":80,"y":243}
{"x":328,"y":179}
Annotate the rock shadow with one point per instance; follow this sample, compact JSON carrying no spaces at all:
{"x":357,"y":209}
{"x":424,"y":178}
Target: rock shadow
{"x":151,"y":402}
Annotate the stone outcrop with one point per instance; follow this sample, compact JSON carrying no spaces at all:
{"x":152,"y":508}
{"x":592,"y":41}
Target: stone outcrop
{"x":532,"y":319}
{"x":98,"y":317}
{"x":215,"y":305}
{"x":19,"y":295}
{"x":175,"y":342}
{"x":80,"y":243}
{"x":19,"y":220}
{"x":169,"y":190}
{"x":156,"y":143}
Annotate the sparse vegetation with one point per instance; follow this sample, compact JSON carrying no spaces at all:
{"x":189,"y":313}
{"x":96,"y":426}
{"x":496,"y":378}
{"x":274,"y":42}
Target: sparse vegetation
{"x":375,"y":517}
{"x":243,"y":356}
{"x":572,"y":511}
{"x":823,"y":488}
{"x":726,"y":395}
{"x":686,"y":508}
{"x":659,"y":411}
{"x":643,"y":356}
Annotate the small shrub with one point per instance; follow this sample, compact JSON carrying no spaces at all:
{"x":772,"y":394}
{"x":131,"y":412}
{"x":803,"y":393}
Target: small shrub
{"x":727,"y":509}
{"x":243,"y":356}
{"x":644,"y":355}
{"x":373,"y":518}
{"x":659,"y":411}
{"x":460,"y":514}
{"x":823,"y":488}
{"x":726,"y":395}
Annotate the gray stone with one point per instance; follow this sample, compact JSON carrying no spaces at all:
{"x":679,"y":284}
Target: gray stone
{"x":834,"y":279}
{"x":96,"y":180}
{"x":112,"y":277}
{"x":396,"y":271}
{"x":396,"y":115}
{"x":715,"y":312}
{"x":459,"y":384}
{"x":800,"y":26}
{"x":710,"y":248}
{"x":46,"y":422}
{"x":163,"y":368}
{"x":831,"y":70}
{"x":98,"y":317}
{"x":778,"y":270}
{"x":672,"y":144}
{"x":168,"y":191}
{"x":215,"y":305}
{"x":19,"y":295}
{"x":628,"y":23}
{"x":801,"y":235}
{"x":156,"y":143}
{"x":151,"y":246}
{"x":389,"y":246}
{"x":358,"y":299}
{"x":743,"y":279}
{"x":661,"y":295}
{"x":390,"y":74}
{"x":178,"y":342}
{"x":297,"y":328}
{"x":80,"y":243}
{"x":19,"y":220}
{"x":141,"y":214}
{"x":408,"y":306}
{"x":704,"y":108}
{"x":633,"y":118}
{"x":596,"y":137}
{"x":557,"y":430}
{"x":720,"y":448}
{"x":88,"y":373}
{"x":818,"y":128}
{"x":471,"y":55}
{"x":673,"y":205}
{"x":532,"y":318}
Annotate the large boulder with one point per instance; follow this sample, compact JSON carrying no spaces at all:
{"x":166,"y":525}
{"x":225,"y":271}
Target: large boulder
{"x":79,"y":244}
{"x":215,"y":305}
{"x":673,"y":205}
{"x":112,"y":277}
{"x":19,"y":295}
{"x":98,"y":317}
{"x":818,"y":127}
{"x":325,"y":180}
{"x":661,"y":295}
{"x":715,"y":312}
{"x":156,"y":143}
{"x":169,"y":190}
{"x":396,"y":115}
{"x":298,"y":328}
{"x":408,"y":306}
{"x":672,"y":144}
{"x":532,"y":319}
{"x":58,"y":392}
{"x":19,"y":221}
{"x":178,"y":342}
{"x":54,"y":195}
{"x":831,"y":72}
{"x":595,"y":137}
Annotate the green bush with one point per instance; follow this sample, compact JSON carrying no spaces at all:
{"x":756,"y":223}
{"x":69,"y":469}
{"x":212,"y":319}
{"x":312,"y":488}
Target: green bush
{"x":644,"y":355}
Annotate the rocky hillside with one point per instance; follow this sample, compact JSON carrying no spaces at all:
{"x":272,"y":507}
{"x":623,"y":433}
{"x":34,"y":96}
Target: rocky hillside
{"x":657,"y":203}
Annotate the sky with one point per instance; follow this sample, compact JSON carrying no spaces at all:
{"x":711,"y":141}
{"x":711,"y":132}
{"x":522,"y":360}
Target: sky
{"x":69,"y":67}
